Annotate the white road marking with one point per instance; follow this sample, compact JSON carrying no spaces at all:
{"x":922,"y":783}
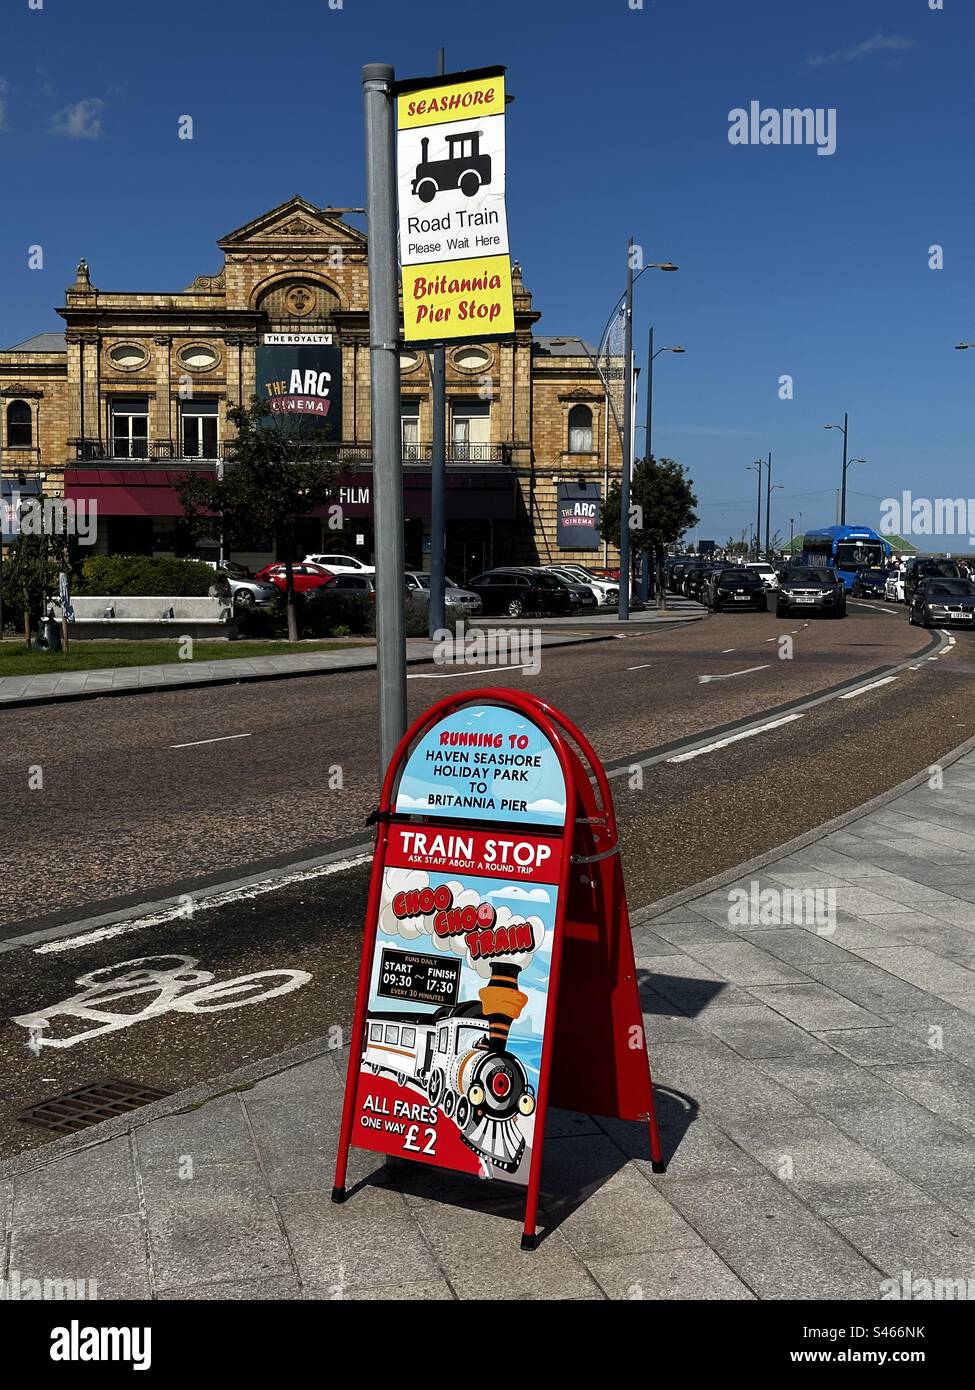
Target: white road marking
{"x":727,"y":650}
{"x":874,"y":685}
{"x":645,"y":667}
{"x":453,"y":675}
{"x":176,"y":986}
{"x":734,"y":738}
{"x":200,"y":741}
{"x":191,"y":906}
{"x":703,"y":680}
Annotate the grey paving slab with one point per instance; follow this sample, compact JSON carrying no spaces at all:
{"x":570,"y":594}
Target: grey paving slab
{"x":944,"y":1087}
{"x":773,"y":1242}
{"x":94,"y":1183}
{"x":742,"y":963}
{"x":816,"y":1007}
{"x":479,"y":1253}
{"x":211,"y":1135}
{"x":874,"y":988}
{"x":796,"y":946}
{"x":218,"y":1226}
{"x":923,"y":968}
{"x":872,"y":1045}
{"x":349,"y":1246}
{"x":111,"y":1250}
{"x":668,"y":1275}
{"x":754,"y":1030}
{"x":931,"y":1244}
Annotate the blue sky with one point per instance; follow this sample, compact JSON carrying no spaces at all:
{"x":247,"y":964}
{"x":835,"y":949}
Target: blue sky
{"x":790,"y":262}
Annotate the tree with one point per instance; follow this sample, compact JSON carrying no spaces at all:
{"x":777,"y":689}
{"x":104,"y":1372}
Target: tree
{"x":662,"y":502}
{"x":273,"y":478}
{"x":738,"y":547}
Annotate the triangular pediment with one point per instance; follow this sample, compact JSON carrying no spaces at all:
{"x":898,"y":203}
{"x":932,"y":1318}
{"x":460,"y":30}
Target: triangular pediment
{"x":296,"y":223}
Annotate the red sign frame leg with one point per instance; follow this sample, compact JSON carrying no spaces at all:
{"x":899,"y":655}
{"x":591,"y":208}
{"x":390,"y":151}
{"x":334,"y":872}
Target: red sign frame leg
{"x":594,"y":1056}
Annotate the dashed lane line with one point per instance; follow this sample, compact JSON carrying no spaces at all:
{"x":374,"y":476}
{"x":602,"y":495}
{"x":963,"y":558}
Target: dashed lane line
{"x":874,"y":685}
{"x":223,"y":738}
{"x":735,"y":738}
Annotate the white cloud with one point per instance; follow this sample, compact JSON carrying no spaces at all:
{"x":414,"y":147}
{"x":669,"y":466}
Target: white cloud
{"x":546,"y":805}
{"x":80,"y":121}
{"x":525,"y":895}
{"x":880,"y":43}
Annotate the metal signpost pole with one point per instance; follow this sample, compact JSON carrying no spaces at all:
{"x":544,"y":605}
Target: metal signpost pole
{"x":377,"y":79}
{"x":438,"y":471}
{"x":768,"y":505}
{"x":624,"y":608}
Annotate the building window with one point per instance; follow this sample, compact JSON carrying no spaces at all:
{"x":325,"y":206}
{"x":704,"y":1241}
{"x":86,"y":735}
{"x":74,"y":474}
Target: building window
{"x":580,"y":430}
{"x":410,"y":428}
{"x":470,"y":429}
{"x":20,"y":428}
{"x":130,"y":427}
{"x":200,"y":433}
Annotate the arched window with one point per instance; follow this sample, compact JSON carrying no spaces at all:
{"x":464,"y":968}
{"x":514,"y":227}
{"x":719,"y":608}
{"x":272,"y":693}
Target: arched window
{"x":20,"y":430}
{"x":580,"y":430}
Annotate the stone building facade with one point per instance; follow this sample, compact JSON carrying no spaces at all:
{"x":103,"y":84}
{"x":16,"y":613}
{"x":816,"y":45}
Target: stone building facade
{"x":136,"y":390}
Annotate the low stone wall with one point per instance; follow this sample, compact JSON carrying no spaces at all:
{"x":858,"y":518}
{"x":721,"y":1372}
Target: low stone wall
{"x":138,"y":619}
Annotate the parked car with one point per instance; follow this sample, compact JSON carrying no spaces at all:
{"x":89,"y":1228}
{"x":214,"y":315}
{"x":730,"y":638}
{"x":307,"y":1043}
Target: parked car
{"x":735,"y":587}
{"x":871,"y":583}
{"x":244,"y":590}
{"x":894,"y":586}
{"x":698,"y":580}
{"x":341,"y":564}
{"x":810,"y":588}
{"x":582,"y":597}
{"x":607,"y":591}
{"x":519,"y":590}
{"x":765,"y":571}
{"x":939,"y":602}
{"x":306,"y":576}
{"x":459,"y":603}
{"x":921,"y":568}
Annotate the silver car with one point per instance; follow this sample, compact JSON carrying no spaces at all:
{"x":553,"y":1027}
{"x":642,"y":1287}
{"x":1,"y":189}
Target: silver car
{"x":462,"y":603}
{"x":244,"y":590}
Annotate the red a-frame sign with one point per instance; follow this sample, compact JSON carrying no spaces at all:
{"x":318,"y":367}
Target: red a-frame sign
{"x":497,"y":971}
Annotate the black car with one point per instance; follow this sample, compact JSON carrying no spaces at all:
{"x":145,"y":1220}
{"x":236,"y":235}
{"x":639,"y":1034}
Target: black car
{"x":697,"y":581}
{"x":676,"y":576}
{"x":517,"y":591}
{"x":735,"y":587}
{"x":919,"y":569}
{"x":810,"y":589}
{"x":938,"y":602}
{"x":870,"y":583}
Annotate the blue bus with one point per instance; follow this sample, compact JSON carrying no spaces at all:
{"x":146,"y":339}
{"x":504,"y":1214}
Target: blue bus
{"x":848,"y":549}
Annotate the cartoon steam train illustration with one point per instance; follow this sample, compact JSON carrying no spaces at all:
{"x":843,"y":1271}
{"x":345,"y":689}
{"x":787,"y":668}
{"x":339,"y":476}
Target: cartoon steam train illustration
{"x":458,"y":1055}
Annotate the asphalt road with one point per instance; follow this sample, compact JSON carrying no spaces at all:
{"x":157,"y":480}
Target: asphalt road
{"x":127,"y":814}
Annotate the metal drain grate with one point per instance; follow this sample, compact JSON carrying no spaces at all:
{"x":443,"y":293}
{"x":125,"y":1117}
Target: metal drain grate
{"x":101,"y":1101}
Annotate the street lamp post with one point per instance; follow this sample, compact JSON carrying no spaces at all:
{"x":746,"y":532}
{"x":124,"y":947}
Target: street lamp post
{"x":757,"y":467}
{"x":648,"y":441}
{"x":845,"y":427}
{"x":623,"y":427}
{"x":777,"y":487}
{"x":792,"y":534}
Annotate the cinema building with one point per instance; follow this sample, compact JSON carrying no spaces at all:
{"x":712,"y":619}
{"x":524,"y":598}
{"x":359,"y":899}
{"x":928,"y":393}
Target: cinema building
{"x":134,"y":394}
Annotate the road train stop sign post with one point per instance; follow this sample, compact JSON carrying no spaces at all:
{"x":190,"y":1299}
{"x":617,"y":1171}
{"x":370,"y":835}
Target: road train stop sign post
{"x":497,"y":972}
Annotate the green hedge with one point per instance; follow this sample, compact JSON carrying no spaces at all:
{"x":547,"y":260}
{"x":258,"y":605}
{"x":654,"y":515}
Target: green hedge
{"x":144,"y":576}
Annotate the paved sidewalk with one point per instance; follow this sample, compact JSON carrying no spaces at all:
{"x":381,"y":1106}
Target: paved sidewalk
{"x":816,"y":1090}
{"x":128,"y":680}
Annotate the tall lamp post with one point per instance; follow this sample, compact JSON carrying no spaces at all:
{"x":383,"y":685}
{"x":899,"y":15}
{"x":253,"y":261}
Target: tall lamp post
{"x":792,"y":534}
{"x":624,"y":426}
{"x":777,"y":487}
{"x":757,"y":467}
{"x":648,"y":441}
{"x":845,"y":427}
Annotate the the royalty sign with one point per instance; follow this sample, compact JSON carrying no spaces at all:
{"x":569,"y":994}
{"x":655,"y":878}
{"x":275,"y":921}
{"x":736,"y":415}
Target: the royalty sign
{"x":453,"y":230}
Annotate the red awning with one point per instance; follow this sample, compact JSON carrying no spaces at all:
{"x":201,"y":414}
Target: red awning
{"x":126,"y":492}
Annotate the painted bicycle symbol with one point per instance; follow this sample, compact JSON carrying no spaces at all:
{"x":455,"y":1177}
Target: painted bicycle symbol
{"x":170,"y":984}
